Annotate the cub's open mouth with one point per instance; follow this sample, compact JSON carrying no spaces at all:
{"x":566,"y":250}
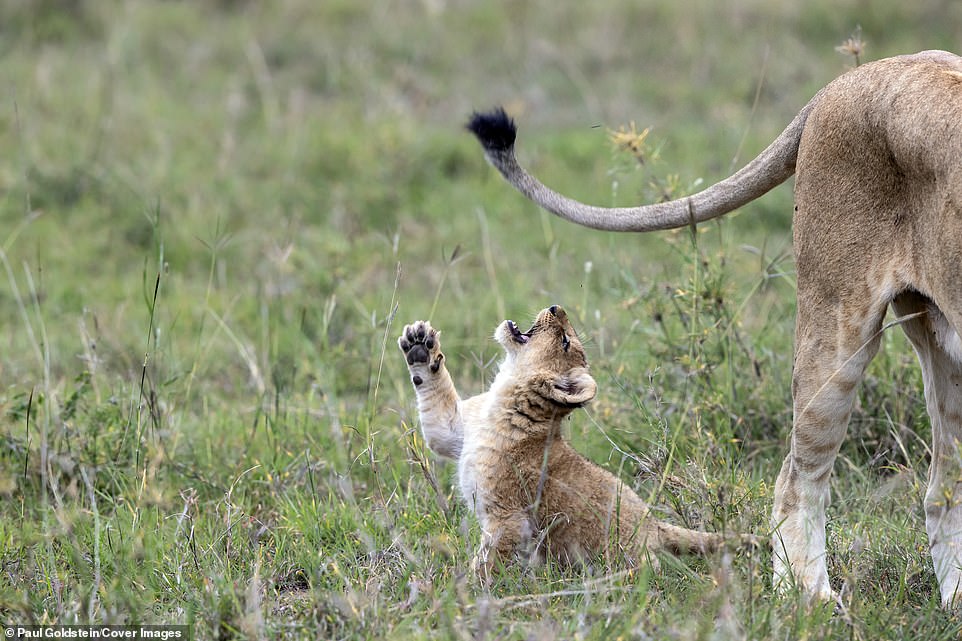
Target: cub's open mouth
{"x":517,"y":334}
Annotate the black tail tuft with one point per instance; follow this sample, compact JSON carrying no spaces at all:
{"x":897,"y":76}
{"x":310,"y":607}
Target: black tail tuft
{"x":495,"y":129}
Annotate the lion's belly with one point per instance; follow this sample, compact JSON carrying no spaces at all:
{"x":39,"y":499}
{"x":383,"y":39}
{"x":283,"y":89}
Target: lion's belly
{"x":468,"y":478}
{"x":475,"y":456}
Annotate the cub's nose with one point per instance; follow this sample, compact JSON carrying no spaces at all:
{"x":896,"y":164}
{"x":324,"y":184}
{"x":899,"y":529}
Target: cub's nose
{"x":554,"y":310}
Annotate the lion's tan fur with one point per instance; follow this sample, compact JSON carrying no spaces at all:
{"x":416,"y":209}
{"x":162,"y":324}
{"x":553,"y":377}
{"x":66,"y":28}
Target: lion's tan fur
{"x":532,"y":492}
{"x":877,"y":156}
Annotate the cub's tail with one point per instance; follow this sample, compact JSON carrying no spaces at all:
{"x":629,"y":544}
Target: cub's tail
{"x":497,"y":132}
{"x":679,"y":540}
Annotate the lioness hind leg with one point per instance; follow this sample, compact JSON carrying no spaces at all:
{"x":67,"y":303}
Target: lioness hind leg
{"x":438,"y":401}
{"x":833,"y":347}
{"x":933,"y":338}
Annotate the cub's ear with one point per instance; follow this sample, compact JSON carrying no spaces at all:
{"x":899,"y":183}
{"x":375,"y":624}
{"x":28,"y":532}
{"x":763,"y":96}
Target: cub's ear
{"x":573,"y":389}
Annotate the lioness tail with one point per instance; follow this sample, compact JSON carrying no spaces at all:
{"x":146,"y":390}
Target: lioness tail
{"x":497,"y":133}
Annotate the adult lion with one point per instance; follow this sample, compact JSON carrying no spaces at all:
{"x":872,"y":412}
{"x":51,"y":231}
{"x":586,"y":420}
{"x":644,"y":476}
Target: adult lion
{"x":878,"y":221}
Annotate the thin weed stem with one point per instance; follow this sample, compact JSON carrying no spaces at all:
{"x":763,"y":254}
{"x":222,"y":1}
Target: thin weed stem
{"x":246,"y":354}
{"x":489,"y":262}
{"x":389,"y":322}
{"x":373,"y":404}
{"x":448,"y":263}
{"x":138,"y":403}
{"x":751,"y":116}
{"x":868,"y":341}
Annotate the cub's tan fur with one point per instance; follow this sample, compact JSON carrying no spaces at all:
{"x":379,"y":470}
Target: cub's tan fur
{"x":878,"y":223}
{"x":531,"y":491}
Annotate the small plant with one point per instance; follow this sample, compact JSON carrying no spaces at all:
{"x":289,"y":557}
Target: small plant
{"x":853,"y":46}
{"x":629,"y":139}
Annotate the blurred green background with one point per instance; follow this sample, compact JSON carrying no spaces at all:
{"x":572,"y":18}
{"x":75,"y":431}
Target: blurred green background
{"x":215,"y":216}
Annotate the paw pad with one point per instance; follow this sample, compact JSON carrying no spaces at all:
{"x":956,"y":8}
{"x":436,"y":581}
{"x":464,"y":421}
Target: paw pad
{"x":420,"y":344}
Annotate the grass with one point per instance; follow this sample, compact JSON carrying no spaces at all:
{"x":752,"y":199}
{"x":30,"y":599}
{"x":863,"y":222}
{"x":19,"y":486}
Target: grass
{"x":217,"y":215}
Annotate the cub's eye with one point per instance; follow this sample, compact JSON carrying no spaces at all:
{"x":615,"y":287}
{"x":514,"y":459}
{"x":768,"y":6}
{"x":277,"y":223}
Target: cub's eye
{"x":565,"y":343}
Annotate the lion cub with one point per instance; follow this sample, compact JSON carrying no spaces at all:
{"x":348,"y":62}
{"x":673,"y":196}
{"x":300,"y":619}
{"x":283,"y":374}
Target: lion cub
{"x":531,"y":491}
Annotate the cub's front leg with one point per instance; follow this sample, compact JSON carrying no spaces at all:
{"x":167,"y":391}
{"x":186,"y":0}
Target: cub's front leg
{"x":438,"y":401}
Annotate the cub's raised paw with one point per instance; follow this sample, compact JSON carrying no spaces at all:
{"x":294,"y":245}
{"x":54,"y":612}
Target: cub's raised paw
{"x":421,"y":345}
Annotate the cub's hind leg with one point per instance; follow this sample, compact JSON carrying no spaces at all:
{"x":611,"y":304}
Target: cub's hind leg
{"x":505,"y":533}
{"x":438,"y":401}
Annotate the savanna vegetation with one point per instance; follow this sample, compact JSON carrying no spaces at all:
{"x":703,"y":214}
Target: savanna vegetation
{"x":215,"y":217}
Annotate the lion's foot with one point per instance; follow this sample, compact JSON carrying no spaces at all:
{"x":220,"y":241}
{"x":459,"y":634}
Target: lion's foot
{"x":421,"y":345}
{"x":812,"y":584}
{"x":483,"y":567}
